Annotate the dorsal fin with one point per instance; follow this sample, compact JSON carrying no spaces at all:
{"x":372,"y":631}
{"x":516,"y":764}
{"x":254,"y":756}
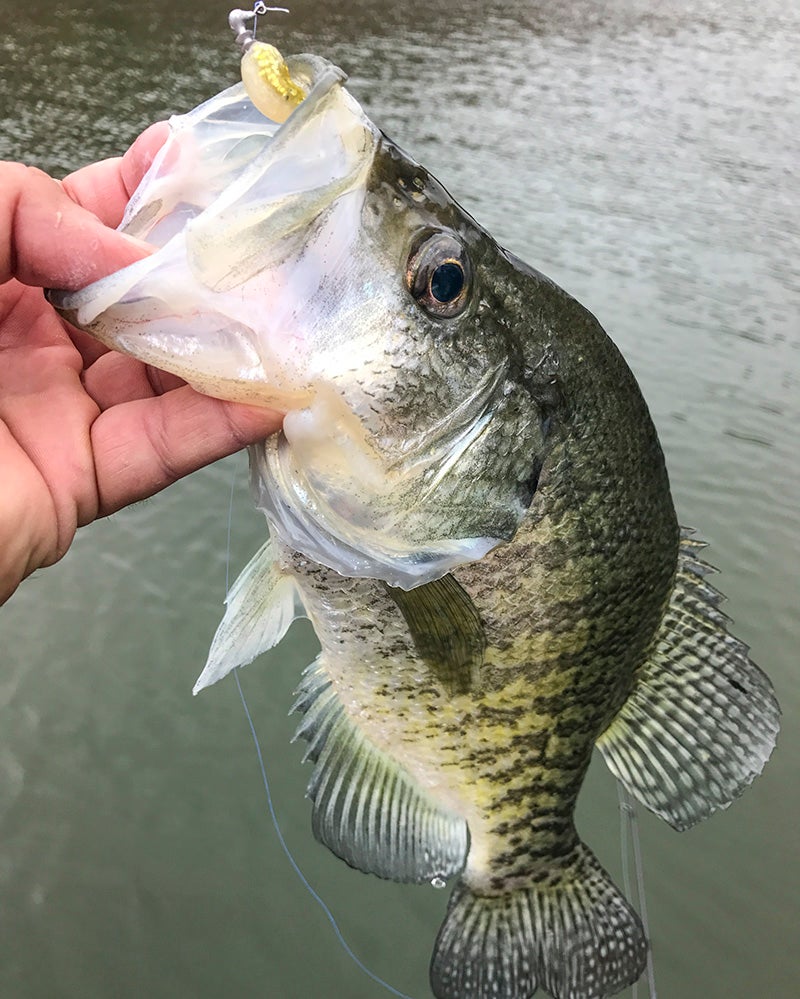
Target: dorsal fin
{"x":367,"y":809}
{"x":702,"y":718}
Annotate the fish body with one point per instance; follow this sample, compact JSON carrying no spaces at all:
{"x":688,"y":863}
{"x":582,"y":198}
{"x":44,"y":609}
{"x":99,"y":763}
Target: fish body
{"x":469,"y":502}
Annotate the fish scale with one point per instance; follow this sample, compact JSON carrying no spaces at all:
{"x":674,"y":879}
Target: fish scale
{"x":568,"y":669}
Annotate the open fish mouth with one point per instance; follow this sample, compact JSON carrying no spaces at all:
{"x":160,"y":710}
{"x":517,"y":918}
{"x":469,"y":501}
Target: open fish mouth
{"x":249,"y":218}
{"x":295,"y":266}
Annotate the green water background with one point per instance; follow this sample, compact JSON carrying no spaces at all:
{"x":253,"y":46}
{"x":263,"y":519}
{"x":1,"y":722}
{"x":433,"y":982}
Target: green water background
{"x":643,"y":155}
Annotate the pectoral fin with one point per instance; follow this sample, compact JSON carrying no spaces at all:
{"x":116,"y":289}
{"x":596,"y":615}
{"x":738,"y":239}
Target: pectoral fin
{"x":261,"y":605}
{"x":702,"y":718}
{"x":447,"y":631}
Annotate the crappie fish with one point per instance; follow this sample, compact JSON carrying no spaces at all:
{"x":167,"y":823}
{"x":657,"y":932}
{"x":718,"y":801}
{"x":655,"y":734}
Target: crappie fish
{"x":469,"y":501}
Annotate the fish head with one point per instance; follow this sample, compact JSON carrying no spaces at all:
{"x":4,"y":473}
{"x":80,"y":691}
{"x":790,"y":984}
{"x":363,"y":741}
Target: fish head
{"x":315,"y":267}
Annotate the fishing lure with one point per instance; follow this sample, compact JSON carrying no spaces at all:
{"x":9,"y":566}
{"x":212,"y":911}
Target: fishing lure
{"x":265,"y":75}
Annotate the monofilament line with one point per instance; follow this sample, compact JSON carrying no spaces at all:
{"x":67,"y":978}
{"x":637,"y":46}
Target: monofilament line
{"x":270,"y":805}
{"x":629,"y":827}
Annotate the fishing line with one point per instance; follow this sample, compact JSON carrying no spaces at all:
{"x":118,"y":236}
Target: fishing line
{"x":629,"y":827}
{"x":270,"y":805}
{"x":228,"y":539}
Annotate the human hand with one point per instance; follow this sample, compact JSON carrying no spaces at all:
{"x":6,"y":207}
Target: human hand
{"x":85,"y":431}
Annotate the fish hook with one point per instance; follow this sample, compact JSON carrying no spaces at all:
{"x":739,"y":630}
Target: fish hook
{"x":238,"y":19}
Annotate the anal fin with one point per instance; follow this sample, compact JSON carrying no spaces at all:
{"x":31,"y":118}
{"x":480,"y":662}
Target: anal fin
{"x":702,"y":718}
{"x":260,"y":606}
{"x":367,"y":809}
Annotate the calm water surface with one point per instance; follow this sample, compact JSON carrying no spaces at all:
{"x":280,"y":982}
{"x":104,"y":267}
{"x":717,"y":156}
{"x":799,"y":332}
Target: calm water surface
{"x":646,"y":157}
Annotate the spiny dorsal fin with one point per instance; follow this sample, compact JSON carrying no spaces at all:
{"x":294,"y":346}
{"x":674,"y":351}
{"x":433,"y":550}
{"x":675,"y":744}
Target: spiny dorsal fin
{"x":367,"y":809}
{"x":702,"y":719}
{"x":574,"y":934}
{"x":447,"y":631}
{"x":260,"y":607}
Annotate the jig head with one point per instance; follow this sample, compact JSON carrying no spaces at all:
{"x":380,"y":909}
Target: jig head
{"x":265,"y":75}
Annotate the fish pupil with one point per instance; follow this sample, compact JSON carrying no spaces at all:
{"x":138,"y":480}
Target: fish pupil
{"x":447,"y":281}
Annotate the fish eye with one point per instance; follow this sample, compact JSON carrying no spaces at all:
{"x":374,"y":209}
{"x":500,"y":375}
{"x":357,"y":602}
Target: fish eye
{"x":438,"y":274}
{"x":447,"y":281}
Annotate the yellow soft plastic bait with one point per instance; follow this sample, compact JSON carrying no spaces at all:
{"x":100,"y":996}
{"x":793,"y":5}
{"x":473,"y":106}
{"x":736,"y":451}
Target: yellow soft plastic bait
{"x":268,"y":82}
{"x":265,"y":75}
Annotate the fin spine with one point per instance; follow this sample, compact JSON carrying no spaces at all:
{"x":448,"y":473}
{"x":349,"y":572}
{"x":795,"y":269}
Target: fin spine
{"x":702,"y":719}
{"x":366,"y":808}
